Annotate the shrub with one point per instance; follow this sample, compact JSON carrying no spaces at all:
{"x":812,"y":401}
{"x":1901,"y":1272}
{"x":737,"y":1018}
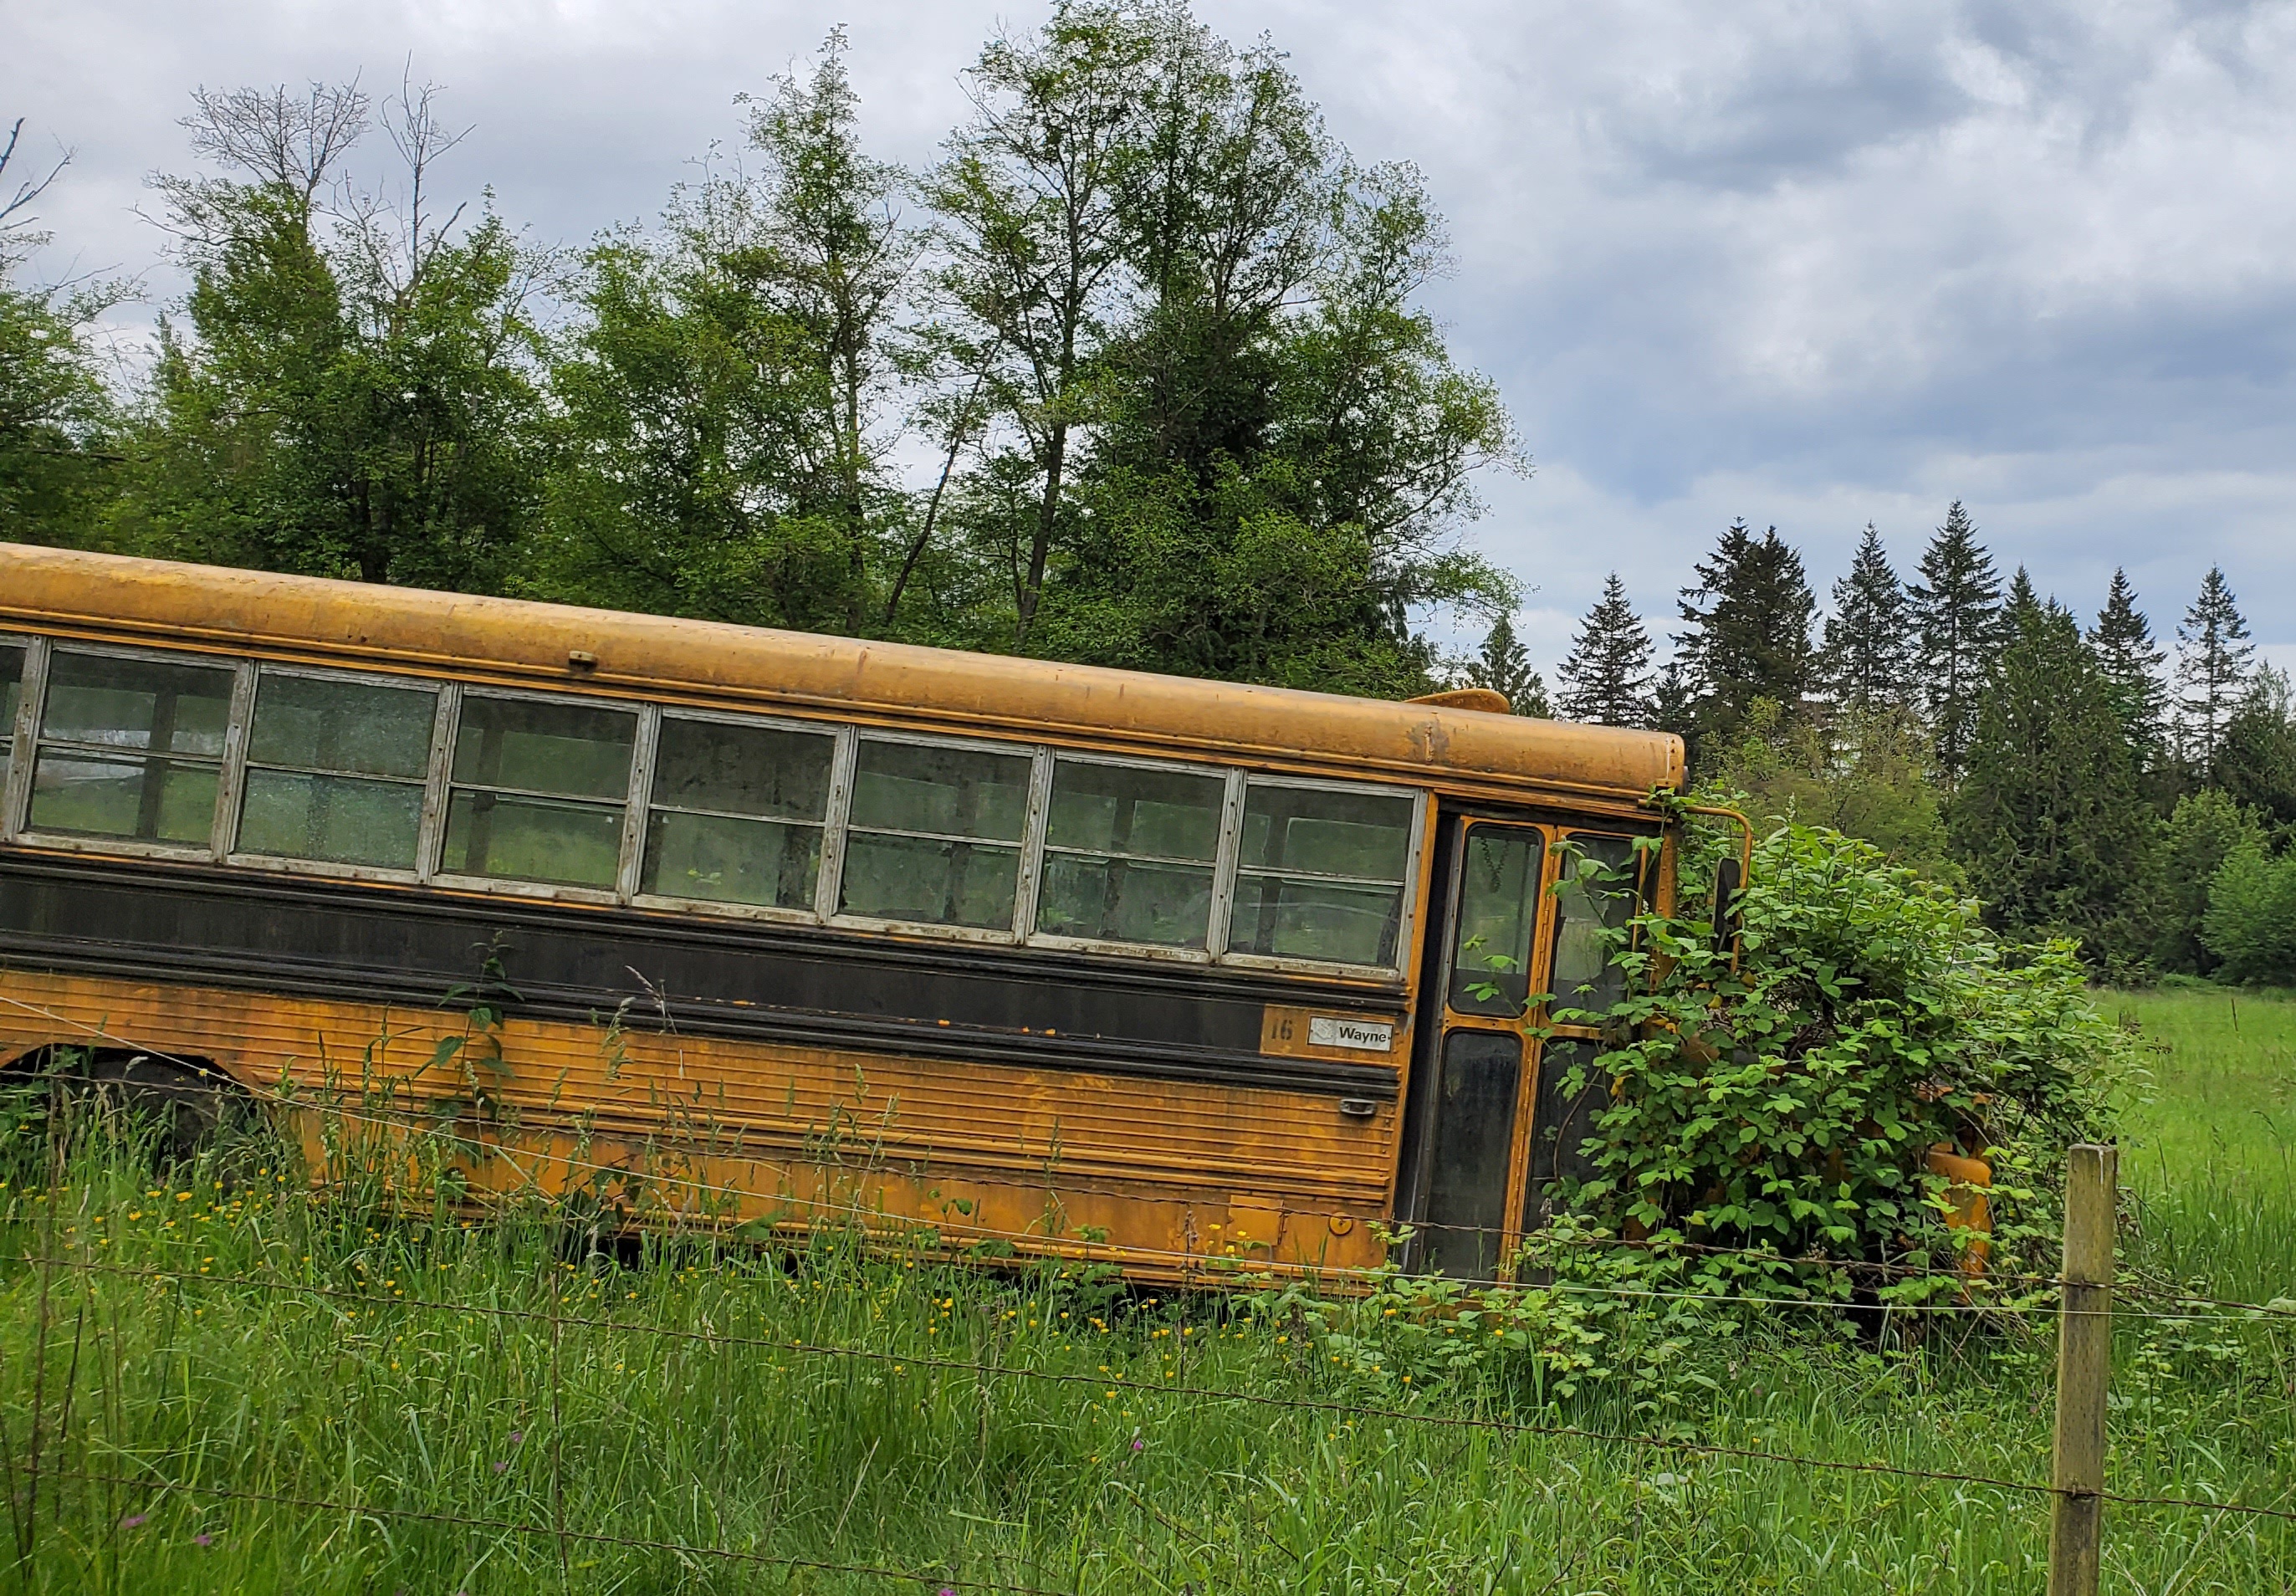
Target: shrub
{"x":2252,"y":919}
{"x":1789,"y":1102}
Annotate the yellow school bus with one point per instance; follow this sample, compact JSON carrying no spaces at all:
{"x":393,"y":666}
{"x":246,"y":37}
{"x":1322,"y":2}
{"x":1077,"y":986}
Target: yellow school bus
{"x":781,"y":930}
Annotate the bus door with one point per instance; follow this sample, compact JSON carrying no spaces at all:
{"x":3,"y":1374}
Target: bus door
{"x":1493,"y":1119}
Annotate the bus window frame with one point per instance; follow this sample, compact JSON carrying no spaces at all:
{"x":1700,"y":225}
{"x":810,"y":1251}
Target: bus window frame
{"x":1030,"y":843}
{"x":441,"y":690}
{"x":647,"y":716}
{"x":16,"y":781}
{"x":841,"y":737}
{"x":23,"y":754}
{"x":1409,"y":886}
{"x":438,"y":787}
{"x":1231,"y":823}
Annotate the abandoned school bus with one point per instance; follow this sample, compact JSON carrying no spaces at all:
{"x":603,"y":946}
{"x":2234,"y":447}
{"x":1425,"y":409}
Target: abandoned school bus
{"x":787,"y":929}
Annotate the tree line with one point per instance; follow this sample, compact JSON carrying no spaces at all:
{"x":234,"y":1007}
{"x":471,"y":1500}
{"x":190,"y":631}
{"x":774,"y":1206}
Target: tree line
{"x":2083,"y":781}
{"x":1135,"y":372}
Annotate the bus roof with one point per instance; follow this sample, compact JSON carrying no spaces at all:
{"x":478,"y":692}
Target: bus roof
{"x":520,"y":643}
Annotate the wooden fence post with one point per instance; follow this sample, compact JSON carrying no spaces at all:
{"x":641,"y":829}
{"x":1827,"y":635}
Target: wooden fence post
{"x":2084,"y":1364}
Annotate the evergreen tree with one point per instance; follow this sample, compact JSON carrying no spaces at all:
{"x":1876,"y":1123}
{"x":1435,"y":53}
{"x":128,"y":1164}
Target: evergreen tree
{"x":1868,"y":659}
{"x":1748,"y":634}
{"x":1673,"y":707}
{"x":1956,"y":614}
{"x":1503,"y":665}
{"x":2256,"y":759}
{"x":2047,"y":821}
{"x":2122,"y":642}
{"x":2212,"y":662}
{"x":1606,"y":679}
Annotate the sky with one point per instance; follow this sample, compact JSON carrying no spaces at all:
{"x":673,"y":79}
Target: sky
{"x":1812,"y":264}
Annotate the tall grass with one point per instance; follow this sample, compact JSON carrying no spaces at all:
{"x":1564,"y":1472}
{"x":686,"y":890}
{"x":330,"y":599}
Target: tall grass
{"x":880,"y":1410}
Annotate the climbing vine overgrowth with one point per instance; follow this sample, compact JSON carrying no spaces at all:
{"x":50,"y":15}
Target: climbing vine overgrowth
{"x":1785,"y":1095}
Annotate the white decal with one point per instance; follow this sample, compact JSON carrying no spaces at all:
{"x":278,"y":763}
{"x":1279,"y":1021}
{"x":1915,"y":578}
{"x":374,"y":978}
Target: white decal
{"x":1369,"y":1035}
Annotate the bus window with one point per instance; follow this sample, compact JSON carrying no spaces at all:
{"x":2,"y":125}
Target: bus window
{"x":131,"y":747}
{"x":537,"y":791}
{"x":737,"y":813}
{"x":1128,"y":854}
{"x":1499,"y":910}
{"x":1583,"y":977}
{"x":1321,"y":874}
{"x":934,"y":834}
{"x":335,"y":771}
{"x":12,"y":693}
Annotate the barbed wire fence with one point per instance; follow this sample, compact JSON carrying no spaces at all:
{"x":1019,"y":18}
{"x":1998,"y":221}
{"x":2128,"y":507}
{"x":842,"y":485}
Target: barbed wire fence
{"x":2079,"y":1300}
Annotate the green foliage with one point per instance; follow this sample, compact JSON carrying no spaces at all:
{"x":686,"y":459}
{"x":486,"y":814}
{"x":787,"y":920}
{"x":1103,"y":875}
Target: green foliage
{"x":1865,"y":774}
{"x":1607,"y":677}
{"x":1789,"y":1102}
{"x":723,"y":432}
{"x":2048,"y":821}
{"x":1956,"y":609}
{"x":1868,"y":662}
{"x":1748,"y":620}
{"x":1503,"y":665}
{"x":2131,"y":663}
{"x":2213,"y":658}
{"x":358,"y":391}
{"x":58,"y":419}
{"x":2205,"y":828}
{"x":2250,"y":924}
{"x":2256,"y":757}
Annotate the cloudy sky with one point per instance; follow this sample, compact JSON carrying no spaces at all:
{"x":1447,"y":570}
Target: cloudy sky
{"x":1812,"y":264}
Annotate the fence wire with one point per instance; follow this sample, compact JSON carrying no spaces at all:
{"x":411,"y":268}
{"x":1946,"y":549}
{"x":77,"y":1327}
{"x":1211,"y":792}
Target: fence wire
{"x":556,"y":1318}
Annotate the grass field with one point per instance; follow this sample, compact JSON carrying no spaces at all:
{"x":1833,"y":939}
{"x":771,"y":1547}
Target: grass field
{"x":893,"y":1414}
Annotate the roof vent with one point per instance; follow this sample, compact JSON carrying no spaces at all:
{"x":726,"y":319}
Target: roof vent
{"x":1468,"y":698}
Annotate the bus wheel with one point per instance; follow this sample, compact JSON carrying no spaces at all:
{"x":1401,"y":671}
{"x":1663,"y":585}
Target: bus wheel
{"x":174,"y":1109}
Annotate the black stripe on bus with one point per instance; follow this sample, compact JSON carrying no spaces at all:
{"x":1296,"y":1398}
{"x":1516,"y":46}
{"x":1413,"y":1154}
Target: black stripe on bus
{"x":204,"y":926}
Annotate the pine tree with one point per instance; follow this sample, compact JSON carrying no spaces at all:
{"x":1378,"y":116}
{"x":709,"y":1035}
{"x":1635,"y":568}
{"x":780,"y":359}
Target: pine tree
{"x":2048,"y":822}
{"x":1503,"y":665}
{"x":1606,"y":679}
{"x":2212,"y":662}
{"x":2122,"y":642}
{"x":1957,"y":612}
{"x":1868,"y":659}
{"x":1749,"y":633}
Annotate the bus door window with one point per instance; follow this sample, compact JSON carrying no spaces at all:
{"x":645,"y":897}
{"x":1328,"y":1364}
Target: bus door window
{"x":934,"y":835}
{"x":131,"y":747}
{"x":1584,"y":983}
{"x":1476,"y":1101}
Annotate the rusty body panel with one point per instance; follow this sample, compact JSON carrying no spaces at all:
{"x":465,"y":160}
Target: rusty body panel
{"x":1167,"y":1113}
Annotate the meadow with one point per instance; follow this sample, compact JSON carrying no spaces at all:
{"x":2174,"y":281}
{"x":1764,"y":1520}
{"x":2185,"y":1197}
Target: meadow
{"x":228,"y":1384}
